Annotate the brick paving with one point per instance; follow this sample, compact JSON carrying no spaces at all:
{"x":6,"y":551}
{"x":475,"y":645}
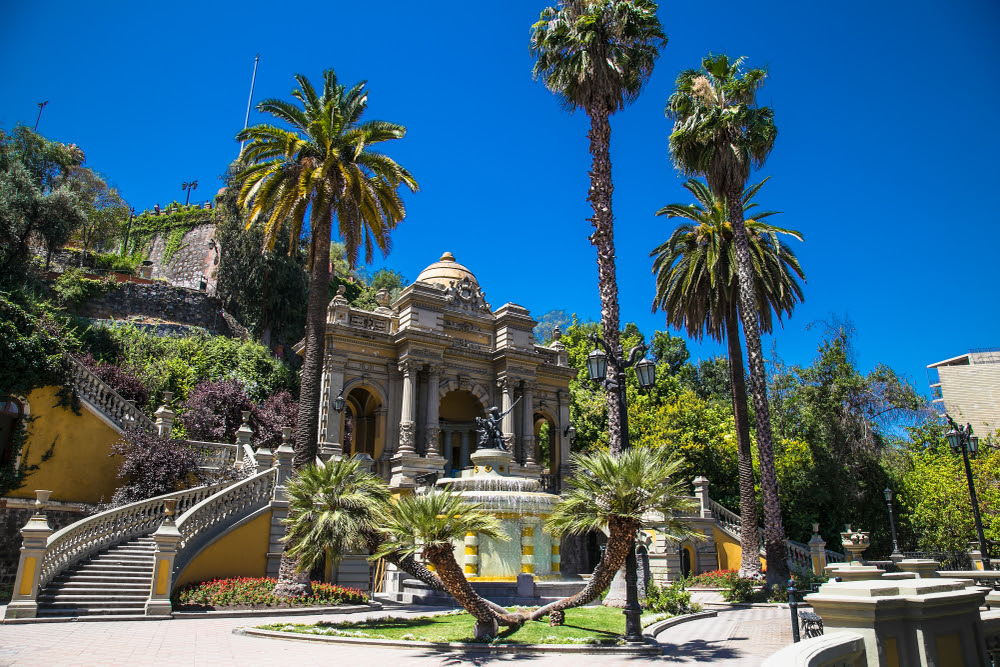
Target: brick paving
{"x":736,"y":637}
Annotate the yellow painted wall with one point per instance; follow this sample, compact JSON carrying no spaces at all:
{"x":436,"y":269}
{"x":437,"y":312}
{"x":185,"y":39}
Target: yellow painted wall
{"x":729,"y":550}
{"x":239,"y":553}
{"x":80,"y":469}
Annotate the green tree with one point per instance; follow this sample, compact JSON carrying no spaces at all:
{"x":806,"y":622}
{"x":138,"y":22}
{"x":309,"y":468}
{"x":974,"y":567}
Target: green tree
{"x":720,"y":132}
{"x":326,"y":166}
{"x":390,"y":280}
{"x":697,"y":286}
{"x":618,"y":494}
{"x":105,"y":210}
{"x":596,"y":55}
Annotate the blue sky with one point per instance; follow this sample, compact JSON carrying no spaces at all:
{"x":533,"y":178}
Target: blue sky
{"x":886,"y":159}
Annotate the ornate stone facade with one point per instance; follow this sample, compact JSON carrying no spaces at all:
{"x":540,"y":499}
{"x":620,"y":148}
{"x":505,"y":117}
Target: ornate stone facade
{"x":415,"y":374}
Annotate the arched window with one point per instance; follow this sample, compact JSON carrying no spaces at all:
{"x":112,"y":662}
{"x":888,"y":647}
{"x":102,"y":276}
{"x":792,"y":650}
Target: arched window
{"x":11,"y":411}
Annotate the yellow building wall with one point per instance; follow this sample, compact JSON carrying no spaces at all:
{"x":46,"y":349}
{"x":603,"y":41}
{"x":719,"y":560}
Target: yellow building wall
{"x":239,"y":553}
{"x":80,"y":469}
{"x":729,"y":550}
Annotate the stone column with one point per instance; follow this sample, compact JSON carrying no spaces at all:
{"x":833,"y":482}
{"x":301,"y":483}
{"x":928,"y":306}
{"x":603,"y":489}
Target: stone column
{"x":701,"y":493}
{"x":407,"y":412}
{"x":817,"y":552}
{"x":283,"y":459}
{"x":565,"y":446}
{"x":165,"y":416}
{"x":334,"y":426}
{"x":506,"y":386}
{"x":167,"y":538}
{"x":463,"y":459}
{"x":34,"y":535}
{"x":432,"y":428}
{"x":556,"y":562}
{"x":528,"y":424}
{"x":243,"y":435}
{"x":528,"y":548}
{"x":472,"y":554}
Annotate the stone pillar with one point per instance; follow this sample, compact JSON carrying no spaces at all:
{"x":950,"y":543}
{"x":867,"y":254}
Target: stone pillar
{"x":472,"y":554}
{"x":528,"y":424}
{"x":432,"y":428}
{"x":463,"y":461}
{"x":283,"y":459}
{"x":243,"y":435}
{"x":506,"y":386}
{"x":556,"y":561}
{"x":701,"y":492}
{"x":407,"y":424}
{"x":265,"y":458}
{"x":165,"y":416}
{"x":817,"y":552}
{"x":528,"y":548}
{"x":34,"y":536}
{"x":332,"y":430}
{"x":167,"y":538}
{"x":565,"y":445}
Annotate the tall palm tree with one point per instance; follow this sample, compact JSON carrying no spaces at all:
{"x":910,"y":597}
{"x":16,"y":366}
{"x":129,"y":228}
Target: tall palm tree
{"x":618,"y":494}
{"x":720,"y":132}
{"x":698,"y":289}
{"x":596,"y":55}
{"x":326,"y":166}
{"x":432,"y":523}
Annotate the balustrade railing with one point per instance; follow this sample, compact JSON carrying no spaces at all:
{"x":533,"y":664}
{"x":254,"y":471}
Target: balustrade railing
{"x":87,"y":536}
{"x":798,"y":555}
{"x":201,"y":523}
{"x":724,"y":516}
{"x":215,"y":455}
{"x":105,"y":399}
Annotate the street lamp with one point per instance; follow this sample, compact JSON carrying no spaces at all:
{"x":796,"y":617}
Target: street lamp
{"x":961,"y":440}
{"x":597,"y":370}
{"x":193,"y":185}
{"x":892,"y":525}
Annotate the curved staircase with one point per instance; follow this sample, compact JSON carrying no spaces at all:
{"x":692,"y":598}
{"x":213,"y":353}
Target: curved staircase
{"x":112,"y":582}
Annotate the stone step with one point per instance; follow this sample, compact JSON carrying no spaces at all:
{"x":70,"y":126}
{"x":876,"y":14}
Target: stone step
{"x":124,"y":568}
{"x":132,"y":549}
{"x":102,"y":600}
{"x":122,"y":558}
{"x":88,"y":588}
{"x":69,"y":611}
{"x":94,"y":578}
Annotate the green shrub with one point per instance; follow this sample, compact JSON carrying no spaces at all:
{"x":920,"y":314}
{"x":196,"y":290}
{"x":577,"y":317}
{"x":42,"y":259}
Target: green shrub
{"x":743,"y":589}
{"x":714,"y":579}
{"x":673,"y":599}
{"x":112,"y":261}
{"x":74,"y":289}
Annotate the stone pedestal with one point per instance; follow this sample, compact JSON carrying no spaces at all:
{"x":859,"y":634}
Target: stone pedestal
{"x":908,"y":622}
{"x":922,"y":568}
{"x":34,"y":536}
{"x":407,"y":466}
{"x":167,"y":538}
{"x":853,"y":571}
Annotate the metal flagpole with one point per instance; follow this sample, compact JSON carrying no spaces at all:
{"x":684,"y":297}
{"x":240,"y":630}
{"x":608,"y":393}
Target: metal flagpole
{"x":246,"y":121}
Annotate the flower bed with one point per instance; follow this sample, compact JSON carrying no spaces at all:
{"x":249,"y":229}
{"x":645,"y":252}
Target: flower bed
{"x":258,"y":593}
{"x":713,"y":579}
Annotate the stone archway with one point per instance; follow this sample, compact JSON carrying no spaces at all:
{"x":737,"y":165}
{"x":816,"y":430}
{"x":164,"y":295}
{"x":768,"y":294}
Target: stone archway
{"x":457,"y":410}
{"x":363,"y":429}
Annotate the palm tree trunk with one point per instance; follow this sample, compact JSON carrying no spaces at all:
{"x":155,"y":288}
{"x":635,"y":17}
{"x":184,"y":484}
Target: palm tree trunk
{"x":603,"y":239}
{"x":774,"y":532}
{"x":290,"y":582}
{"x":620,"y":540}
{"x":749,"y":537}
{"x":451,"y":575}
{"x":307,"y":427}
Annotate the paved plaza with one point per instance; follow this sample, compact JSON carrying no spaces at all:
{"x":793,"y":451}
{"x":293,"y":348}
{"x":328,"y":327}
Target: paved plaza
{"x":735,"y":637}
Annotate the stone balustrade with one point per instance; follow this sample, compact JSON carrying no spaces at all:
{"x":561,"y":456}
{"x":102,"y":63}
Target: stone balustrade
{"x":215,"y":455}
{"x":106,"y":400}
{"x":77,"y":541}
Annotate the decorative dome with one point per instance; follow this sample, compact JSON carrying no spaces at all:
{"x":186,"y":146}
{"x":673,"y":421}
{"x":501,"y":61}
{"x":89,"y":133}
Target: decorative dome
{"x":446,"y":270}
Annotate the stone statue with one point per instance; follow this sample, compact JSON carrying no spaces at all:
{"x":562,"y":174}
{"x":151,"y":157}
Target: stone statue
{"x":490,"y":435}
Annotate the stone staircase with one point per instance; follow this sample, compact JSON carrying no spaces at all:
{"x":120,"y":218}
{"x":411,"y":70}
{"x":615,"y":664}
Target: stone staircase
{"x":112,"y":582}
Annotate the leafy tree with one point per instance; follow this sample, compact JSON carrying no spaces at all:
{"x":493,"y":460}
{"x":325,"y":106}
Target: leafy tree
{"x":545,"y":329}
{"x":152,"y":466}
{"x":719,"y":132}
{"x":122,"y":380}
{"x":327,"y":166}
{"x":618,"y":494}
{"x":390,"y":280}
{"x":105,"y":210}
{"x":698,"y":287}
{"x":214,"y":410}
{"x":596,"y":55}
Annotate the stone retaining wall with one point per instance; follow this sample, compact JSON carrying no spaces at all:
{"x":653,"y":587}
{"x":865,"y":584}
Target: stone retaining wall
{"x":11,"y":522}
{"x":161,"y":301}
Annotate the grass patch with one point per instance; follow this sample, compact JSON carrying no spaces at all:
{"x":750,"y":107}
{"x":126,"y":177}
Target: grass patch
{"x":586,"y":625}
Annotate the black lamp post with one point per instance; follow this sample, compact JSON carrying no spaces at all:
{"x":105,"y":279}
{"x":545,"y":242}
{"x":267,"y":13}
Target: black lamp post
{"x":188,"y":187}
{"x":645,"y":370}
{"x":960,"y":439}
{"x":892,"y":526}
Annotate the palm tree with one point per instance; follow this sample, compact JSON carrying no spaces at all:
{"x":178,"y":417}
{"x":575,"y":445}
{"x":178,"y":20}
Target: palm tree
{"x":326,"y":167}
{"x":596,"y":55}
{"x":432,"y":523}
{"x":618,"y":494}
{"x":332,"y":511}
{"x":720,"y":132}
{"x":698,"y":288}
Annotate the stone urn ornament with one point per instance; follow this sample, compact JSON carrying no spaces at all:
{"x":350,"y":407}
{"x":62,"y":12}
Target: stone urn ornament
{"x":855,"y":542}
